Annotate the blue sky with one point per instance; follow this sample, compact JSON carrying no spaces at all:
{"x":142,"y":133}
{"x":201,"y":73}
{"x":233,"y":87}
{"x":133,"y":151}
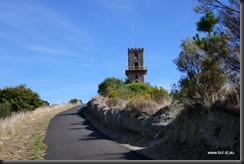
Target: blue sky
{"x":63,"y":49}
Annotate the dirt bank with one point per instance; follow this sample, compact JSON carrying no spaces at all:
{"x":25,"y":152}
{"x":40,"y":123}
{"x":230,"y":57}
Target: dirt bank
{"x":193,"y":134}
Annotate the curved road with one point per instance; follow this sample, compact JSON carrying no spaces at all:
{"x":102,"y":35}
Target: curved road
{"x":70,"y":137}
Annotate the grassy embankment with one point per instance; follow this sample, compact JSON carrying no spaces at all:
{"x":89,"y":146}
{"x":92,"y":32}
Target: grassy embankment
{"x":21,"y":134}
{"x":171,"y":130}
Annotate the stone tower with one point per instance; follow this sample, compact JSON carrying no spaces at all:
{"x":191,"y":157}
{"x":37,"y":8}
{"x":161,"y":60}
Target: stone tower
{"x":135,"y":70}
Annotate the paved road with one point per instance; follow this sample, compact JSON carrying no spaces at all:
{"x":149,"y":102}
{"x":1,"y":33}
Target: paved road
{"x":70,"y":137}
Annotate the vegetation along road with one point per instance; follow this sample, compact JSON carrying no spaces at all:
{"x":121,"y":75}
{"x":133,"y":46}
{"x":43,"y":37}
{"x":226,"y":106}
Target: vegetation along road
{"x":70,"y":137}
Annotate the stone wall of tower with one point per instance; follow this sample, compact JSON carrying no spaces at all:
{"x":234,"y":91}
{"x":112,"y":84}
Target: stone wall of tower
{"x":132,"y":77}
{"x":131,"y":55}
{"x":136,"y":69}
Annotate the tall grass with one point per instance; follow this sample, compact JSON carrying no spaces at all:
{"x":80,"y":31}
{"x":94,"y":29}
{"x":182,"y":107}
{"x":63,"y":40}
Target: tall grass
{"x":21,"y":133}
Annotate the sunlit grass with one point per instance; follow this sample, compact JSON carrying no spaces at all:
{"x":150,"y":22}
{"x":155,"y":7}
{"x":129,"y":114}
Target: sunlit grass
{"x":21,"y":134}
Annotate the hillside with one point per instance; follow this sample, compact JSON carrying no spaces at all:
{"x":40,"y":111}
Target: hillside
{"x":22,"y":133}
{"x":173,"y":132}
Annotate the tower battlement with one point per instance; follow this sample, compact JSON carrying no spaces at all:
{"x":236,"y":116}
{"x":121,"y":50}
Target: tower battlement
{"x":136,"y":49}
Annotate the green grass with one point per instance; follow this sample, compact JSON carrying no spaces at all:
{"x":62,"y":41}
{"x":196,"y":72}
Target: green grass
{"x":37,"y":148}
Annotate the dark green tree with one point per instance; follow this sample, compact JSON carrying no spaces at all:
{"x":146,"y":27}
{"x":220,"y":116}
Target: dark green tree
{"x":207,"y":23}
{"x":73,"y":101}
{"x":204,"y":74}
{"x":228,"y":28}
{"x":21,"y":98}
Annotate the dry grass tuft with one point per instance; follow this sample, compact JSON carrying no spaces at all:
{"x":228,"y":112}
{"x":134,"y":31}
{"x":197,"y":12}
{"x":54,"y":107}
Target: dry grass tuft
{"x":175,"y":108}
{"x":19,"y":133}
{"x":141,"y":105}
{"x":114,"y":102}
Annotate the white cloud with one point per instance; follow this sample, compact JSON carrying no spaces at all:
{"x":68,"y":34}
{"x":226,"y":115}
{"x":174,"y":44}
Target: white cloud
{"x":35,"y":18}
{"x":49,"y":50}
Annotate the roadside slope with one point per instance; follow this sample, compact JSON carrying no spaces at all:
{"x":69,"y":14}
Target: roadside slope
{"x":21,"y":134}
{"x":190,"y":135}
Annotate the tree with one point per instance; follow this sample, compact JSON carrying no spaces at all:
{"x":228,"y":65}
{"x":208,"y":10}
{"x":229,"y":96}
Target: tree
{"x":21,"y":98}
{"x":207,"y":23}
{"x":203,"y":76}
{"x":229,"y":28}
{"x":229,"y":15}
{"x":202,"y":65}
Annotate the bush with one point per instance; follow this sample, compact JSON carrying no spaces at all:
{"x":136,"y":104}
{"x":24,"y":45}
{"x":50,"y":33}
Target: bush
{"x":116,"y":88}
{"x":158,"y":94}
{"x":138,"y":88}
{"x":109,"y":85}
{"x":141,"y":98}
{"x":5,"y":109}
{"x":73,"y":101}
{"x":20,"y":98}
{"x":45,"y":103}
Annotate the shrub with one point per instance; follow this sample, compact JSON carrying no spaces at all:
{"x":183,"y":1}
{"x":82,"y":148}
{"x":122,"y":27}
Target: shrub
{"x":141,"y":99}
{"x":73,"y":101}
{"x":111,"y":87}
{"x":142,"y":96}
{"x":5,"y":109}
{"x":45,"y":103}
{"x":21,"y":98}
{"x":158,"y":94}
{"x":110,"y":84}
{"x":138,"y":88}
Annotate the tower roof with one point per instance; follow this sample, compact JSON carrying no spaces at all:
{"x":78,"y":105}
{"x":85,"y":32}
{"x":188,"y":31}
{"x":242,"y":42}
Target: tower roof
{"x":136,"y":49}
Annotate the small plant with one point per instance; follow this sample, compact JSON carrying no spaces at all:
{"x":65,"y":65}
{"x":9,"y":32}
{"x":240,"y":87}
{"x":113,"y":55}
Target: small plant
{"x":73,"y":101}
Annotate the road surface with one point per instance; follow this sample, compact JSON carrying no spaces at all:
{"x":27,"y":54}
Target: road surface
{"x":70,"y":137}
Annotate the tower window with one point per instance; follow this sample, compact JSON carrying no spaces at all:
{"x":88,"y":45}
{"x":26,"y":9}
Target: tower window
{"x":136,"y":77}
{"x":136,"y":65}
{"x":135,"y":56}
